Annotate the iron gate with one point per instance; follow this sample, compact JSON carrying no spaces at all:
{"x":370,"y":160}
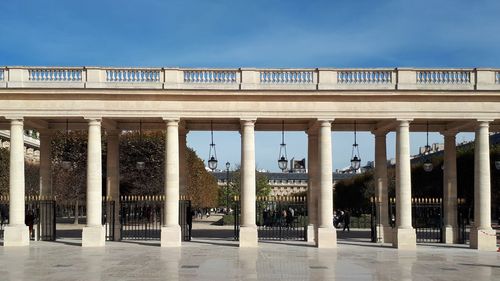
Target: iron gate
{"x":465,"y":214}
{"x":141,"y":217}
{"x":278,"y":218}
{"x":427,"y":218}
{"x":39,"y":212}
{"x":108,"y":218}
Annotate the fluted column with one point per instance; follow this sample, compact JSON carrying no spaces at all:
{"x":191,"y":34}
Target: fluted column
{"x":384,"y":230}
{"x":94,"y":234}
{"x":113,"y":176}
{"x":312,"y":188}
{"x":45,"y":162}
{"x":171,"y":230}
{"x":248,"y":228}
{"x":482,"y":236}
{"x":16,"y":233}
{"x":450,"y":222}
{"x":405,"y":236}
{"x":327,"y":236}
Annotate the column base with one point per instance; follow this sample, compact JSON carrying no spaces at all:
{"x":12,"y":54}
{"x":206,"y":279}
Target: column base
{"x":248,"y":237}
{"x":310,"y":233}
{"x":404,"y":239}
{"x":327,"y":238}
{"x":15,"y":236}
{"x":93,"y":236}
{"x":117,"y":233}
{"x":483,"y":239}
{"x":171,"y":236}
{"x":384,"y":234}
{"x":450,"y":234}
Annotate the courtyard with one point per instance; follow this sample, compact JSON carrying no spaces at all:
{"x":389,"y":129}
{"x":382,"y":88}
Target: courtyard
{"x":213,"y":259}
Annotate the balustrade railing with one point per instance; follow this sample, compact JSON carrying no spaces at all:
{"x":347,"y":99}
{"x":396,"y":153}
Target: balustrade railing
{"x":210,"y":76}
{"x":251,"y":79}
{"x":55,"y":75}
{"x":286,"y":77}
{"x":443,"y":77}
{"x":132,"y":75}
{"x":364,"y":77}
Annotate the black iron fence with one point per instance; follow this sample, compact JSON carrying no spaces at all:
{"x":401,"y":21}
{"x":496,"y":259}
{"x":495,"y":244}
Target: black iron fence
{"x":277,"y":217}
{"x":39,"y":217}
{"x":141,"y":217}
{"x":427,"y":219}
{"x":108,"y":218}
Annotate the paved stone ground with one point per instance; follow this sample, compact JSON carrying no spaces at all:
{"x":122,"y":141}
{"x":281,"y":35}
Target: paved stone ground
{"x":215,"y":259}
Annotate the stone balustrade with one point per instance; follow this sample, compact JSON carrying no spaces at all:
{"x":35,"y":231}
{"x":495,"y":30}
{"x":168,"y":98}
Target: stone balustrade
{"x":133,"y":75}
{"x":251,"y":79}
{"x":54,"y":74}
{"x":210,"y":76}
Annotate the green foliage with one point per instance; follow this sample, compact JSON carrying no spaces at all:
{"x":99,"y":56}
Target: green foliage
{"x":31,"y":173}
{"x":69,"y":184}
{"x":355,"y":192}
{"x":149,"y":148}
{"x":201,"y":186}
{"x":261,"y":181}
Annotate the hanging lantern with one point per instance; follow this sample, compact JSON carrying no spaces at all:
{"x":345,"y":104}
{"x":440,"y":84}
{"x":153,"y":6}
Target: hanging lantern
{"x":140,"y":165}
{"x":428,"y":166}
{"x":355,"y":158}
{"x":212,"y":154}
{"x":282,"y":161}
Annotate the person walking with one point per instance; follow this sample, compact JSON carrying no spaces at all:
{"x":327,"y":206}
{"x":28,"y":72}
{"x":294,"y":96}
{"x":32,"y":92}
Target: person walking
{"x":347,"y":220}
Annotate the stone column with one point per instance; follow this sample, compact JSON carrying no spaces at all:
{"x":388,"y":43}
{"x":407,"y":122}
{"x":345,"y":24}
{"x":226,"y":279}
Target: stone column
{"x":450,"y":221}
{"x":327,"y":235}
{"x":183,"y":172}
{"x":113,"y":177}
{"x":482,"y":236}
{"x":405,"y":236}
{"x":171,"y":230}
{"x":384,"y":229}
{"x":16,"y":233}
{"x":312,"y":188}
{"x":94,"y":234}
{"x":45,"y":162}
{"x":248,"y":228}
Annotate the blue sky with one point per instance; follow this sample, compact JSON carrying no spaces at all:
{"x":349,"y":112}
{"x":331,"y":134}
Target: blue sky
{"x":257,"y":33}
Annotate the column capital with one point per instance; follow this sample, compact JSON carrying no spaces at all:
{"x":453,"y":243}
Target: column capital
{"x":248,"y":121}
{"x":172,"y":122}
{"x":14,"y":118}
{"x":483,"y":122}
{"x":16,"y":122}
{"x":380,"y":133}
{"x":404,"y":120}
{"x":449,"y":133}
{"x":168,"y":119}
{"x":94,"y":121}
{"x":325,"y":122}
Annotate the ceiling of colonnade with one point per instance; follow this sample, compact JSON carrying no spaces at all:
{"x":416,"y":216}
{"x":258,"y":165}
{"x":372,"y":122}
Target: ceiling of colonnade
{"x":268,"y":135}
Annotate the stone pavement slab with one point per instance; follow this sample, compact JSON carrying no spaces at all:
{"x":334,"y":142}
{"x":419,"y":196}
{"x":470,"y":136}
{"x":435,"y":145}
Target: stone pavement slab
{"x":213,"y":259}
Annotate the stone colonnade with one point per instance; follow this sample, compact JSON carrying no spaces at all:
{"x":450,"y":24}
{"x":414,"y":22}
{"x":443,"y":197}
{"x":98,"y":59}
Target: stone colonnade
{"x":320,"y":193}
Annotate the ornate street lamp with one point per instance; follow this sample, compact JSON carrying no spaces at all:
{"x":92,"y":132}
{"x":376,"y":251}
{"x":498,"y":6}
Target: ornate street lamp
{"x":355,"y":157}
{"x":140,"y":165}
{"x":428,"y":166}
{"x":212,"y":154}
{"x":282,"y":161}
{"x":66,"y":163}
{"x":228,"y":166}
